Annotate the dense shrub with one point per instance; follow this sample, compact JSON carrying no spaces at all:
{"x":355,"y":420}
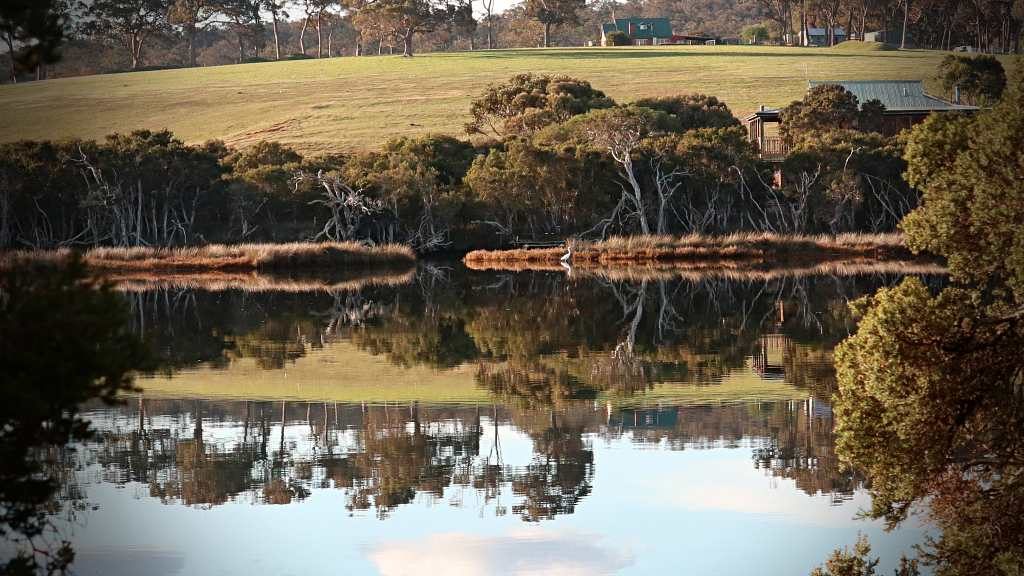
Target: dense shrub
{"x":848,"y":180}
{"x":689,"y":111}
{"x":617,"y":38}
{"x":828,"y":107}
{"x":528,"y":102}
{"x":981,"y":79}
{"x":419,"y":183}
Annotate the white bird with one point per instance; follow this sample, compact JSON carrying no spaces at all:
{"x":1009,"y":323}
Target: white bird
{"x":565,"y":260}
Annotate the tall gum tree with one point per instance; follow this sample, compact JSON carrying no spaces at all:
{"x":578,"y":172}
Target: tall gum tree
{"x":191,"y":16}
{"x":130,"y":23}
{"x":410,"y":17}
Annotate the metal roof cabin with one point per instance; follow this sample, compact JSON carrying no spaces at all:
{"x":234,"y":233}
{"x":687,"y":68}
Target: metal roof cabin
{"x":900,"y":97}
{"x":641,"y":31}
{"x":906,"y":103}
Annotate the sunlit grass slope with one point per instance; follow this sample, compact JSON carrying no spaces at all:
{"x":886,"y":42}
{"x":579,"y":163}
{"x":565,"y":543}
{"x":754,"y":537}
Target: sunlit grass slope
{"x":355,"y":103}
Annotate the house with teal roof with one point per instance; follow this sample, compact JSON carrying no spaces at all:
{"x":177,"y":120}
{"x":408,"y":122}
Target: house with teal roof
{"x":640,"y":31}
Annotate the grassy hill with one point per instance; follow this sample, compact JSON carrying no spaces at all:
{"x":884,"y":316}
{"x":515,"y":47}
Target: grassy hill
{"x":347,"y":103}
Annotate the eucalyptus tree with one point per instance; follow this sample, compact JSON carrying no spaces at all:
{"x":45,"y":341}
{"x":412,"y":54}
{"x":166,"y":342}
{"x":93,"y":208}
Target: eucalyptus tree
{"x":554,"y":13}
{"x":276,"y":9}
{"x":130,"y":23}
{"x":243,"y":16}
{"x":410,"y":17}
{"x":191,"y":15}
{"x":488,"y":6}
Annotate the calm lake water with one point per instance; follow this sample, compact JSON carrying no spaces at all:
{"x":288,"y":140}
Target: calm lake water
{"x":464,"y":422}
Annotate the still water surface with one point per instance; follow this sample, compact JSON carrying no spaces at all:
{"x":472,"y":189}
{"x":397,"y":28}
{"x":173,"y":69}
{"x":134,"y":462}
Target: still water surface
{"x":464,"y":422}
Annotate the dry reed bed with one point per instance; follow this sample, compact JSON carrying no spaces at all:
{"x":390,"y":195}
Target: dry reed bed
{"x":709,"y":251}
{"x":226,"y":258}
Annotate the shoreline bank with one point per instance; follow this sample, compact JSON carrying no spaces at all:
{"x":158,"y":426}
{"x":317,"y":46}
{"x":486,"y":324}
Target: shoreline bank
{"x":696,"y":252}
{"x":223,"y":258}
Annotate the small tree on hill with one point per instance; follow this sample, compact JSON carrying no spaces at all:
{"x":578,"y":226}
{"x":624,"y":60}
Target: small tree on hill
{"x":191,"y":15}
{"x":130,"y":23}
{"x":528,"y":102}
{"x":409,"y":17}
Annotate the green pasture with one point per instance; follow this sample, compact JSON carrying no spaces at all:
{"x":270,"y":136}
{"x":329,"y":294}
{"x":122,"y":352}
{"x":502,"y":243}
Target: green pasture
{"x":351,"y":103}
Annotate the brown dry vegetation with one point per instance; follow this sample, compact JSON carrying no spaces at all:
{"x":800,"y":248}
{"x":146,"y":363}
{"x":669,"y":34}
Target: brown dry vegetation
{"x":226,"y":258}
{"x":733,"y":270}
{"x":707,"y":252}
{"x":217,"y":281}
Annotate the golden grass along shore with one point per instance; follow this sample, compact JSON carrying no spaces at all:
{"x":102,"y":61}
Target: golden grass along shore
{"x":226,"y":258}
{"x":709,"y":252}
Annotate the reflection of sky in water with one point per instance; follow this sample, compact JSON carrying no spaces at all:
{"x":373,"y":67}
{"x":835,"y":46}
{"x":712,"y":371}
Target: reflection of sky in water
{"x":652,"y":510}
{"x":707,"y":427}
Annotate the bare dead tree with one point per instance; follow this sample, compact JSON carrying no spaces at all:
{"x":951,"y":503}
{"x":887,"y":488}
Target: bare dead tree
{"x":665,"y":184}
{"x":348,"y":206}
{"x":621,"y":131}
{"x":488,"y":6}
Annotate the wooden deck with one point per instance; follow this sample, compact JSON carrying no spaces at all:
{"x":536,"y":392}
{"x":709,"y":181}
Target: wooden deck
{"x":772,"y":149}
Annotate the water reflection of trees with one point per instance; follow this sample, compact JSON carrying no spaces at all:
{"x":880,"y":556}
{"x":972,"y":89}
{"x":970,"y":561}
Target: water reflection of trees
{"x":538,"y":336}
{"x":201,"y":453}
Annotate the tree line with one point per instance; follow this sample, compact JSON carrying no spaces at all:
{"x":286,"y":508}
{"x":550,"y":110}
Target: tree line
{"x":552,"y":158}
{"x":985,"y":25}
{"x":109,"y":35}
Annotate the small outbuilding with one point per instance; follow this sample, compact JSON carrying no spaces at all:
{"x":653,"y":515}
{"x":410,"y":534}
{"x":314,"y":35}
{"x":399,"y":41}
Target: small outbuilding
{"x":893,"y":37}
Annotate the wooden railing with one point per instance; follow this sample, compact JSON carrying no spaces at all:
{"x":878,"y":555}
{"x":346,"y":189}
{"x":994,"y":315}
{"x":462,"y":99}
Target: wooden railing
{"x":774,"y":148}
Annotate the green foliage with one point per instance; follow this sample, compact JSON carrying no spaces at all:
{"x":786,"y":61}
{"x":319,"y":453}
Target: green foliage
{"x":844,"y":562}
{"x":64,"y":341}
{"x":858,"y":562}
{"x":929,"y":387}
{"x":707,"y":154}
{"x":972,"y":199}
{"x":981,"y":79}
{"x":419,"y":180}
{"x":849,"y":180}
{"x":534,"y":191}
{"x":36,"y":28}
{"x":691,"y":111}
{"x":617,"y":38}
{"x":260,"y":155}
{"x":828,"y":107}
{"x":755,"y":34}
{"x":143,"y":187}
{"x":529,"y":102}
{"x":929,"y":407}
